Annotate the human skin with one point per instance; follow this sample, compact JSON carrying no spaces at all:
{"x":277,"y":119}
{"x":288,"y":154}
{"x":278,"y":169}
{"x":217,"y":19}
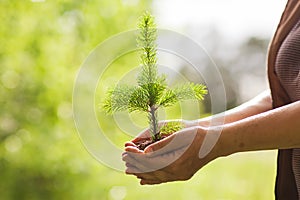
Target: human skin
{"x":250,"y":127}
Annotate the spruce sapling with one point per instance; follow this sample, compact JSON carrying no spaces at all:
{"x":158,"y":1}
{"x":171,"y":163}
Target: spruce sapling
{"x":151,"y":91}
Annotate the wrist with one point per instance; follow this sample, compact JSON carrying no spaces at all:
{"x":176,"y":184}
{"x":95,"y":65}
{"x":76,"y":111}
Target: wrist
{"x":209,"y":145}
{"x":223,"y":141}
{"x":231,"y":140}
{"x":211,"y":142}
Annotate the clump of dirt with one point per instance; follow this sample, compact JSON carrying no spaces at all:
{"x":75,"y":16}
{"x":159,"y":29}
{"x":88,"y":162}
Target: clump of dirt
{"x":144,"y":143}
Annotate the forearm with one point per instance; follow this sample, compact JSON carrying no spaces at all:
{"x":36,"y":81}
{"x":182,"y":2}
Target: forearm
{"x":259,"y":104}
{"x":275,"y":129}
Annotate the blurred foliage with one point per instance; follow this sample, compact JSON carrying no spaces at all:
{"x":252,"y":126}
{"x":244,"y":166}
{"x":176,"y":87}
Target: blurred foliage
{"x":42,"y":45}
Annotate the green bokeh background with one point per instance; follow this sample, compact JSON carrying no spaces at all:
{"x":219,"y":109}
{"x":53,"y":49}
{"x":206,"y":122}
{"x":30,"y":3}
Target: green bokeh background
{"x":42,"y":46}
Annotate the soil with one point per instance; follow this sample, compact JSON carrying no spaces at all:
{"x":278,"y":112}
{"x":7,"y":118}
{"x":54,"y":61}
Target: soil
{"x":143,"y":144}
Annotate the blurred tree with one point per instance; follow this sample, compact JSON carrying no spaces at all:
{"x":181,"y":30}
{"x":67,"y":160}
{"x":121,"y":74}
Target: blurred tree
{"x":42,"y":44}
{"x":236,"y":62}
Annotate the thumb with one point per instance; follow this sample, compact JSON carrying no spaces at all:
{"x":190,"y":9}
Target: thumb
{"x":159,"y":144}
{"x":178,"y":140}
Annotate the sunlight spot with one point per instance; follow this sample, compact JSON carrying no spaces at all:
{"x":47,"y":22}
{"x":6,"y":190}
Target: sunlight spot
{"x":10,"y":79}
{"x":64,"y":110}
{"x":24,"y":135}
{"x":37,"y":1}
{"x":69,"y":21}
{"x":8,"y":124}
{"x":118,"y":192}
{"x":109,"y":11}
{"x":34,"y":115}
{"x":13,"y":144}
{"x":77,"y":167}
{"x":130,"y":2}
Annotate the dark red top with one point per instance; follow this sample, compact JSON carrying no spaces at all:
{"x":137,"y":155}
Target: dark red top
{"x":286,"y":186}
{"x":287,"y":68}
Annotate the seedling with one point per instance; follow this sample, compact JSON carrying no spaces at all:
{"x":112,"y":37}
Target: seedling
{"x":151,"y":92}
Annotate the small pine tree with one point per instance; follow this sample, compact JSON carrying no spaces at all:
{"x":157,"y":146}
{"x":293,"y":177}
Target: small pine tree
{"x":151,"y":91}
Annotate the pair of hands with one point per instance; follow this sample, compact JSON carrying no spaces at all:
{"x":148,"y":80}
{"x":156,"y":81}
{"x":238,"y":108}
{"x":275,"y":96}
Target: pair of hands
{"x":170,"y":159}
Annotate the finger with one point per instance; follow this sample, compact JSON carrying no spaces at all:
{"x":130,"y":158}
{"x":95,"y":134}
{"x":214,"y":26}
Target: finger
{"x":130,"y":143}
{"x":126,"y":157}
{"x":138,"y":162}
{"x":133,"y":149}
{"x":149,"y":162}
{"x":125,"y":154}
{"x":128,"y":165}
{"x":143,"y":163}
{"x":150,"y":182}
{"x":178,"y":140}
{"x":158,"y":145}
{"x":164,"y":146}
{"x":139,"y":140}
{"x":146,"y":176}
{"x":132,"y":170}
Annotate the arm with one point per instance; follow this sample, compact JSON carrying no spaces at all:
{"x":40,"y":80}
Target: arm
{"x":258,"y":104}
{"x":274,"y":129}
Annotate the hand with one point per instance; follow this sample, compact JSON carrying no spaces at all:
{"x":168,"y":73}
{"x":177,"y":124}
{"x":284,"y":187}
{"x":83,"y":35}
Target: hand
{"x":144,"y":135}
{"x":173,"y":158}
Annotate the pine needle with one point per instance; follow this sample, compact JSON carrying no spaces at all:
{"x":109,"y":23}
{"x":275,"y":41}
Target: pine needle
{"x":152,"y":90}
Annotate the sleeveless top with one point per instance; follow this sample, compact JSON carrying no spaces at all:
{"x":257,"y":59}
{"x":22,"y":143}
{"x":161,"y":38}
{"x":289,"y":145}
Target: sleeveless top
{"x":287,"y":68}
